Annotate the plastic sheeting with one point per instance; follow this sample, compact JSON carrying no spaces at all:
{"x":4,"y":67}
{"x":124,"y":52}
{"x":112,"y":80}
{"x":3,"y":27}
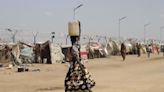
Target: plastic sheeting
{"x":26,"y":52}
{"x":56,"y":54}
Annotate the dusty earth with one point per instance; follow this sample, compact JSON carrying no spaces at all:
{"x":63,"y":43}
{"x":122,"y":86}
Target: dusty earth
{"x":135,"y":74}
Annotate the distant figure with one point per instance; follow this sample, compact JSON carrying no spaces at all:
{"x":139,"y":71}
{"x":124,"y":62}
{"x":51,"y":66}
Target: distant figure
{"x":158,"y":48}
{"x":138,"y":49}
{"x":162,"y":49}
{"x":148,"y":49}
{"x":123,"y":51}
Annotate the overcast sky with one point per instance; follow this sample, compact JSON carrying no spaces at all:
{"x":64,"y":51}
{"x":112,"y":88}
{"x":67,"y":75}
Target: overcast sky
{"x":96,"y":16}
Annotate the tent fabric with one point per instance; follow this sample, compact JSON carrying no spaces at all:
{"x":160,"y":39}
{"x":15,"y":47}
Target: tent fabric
{"x":56,"y":53}
{"x":16,"y":52}
{"x":26,"y":52}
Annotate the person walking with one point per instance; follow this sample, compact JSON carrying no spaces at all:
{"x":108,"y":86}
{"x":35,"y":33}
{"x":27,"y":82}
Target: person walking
{"x":123,"y":51}
{"x":138,"y":49}
{"x":148,"y":49}
{"x":77,"y":79}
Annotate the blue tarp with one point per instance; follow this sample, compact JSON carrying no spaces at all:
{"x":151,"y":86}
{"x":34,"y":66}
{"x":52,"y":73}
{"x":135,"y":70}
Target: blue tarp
{"x":27,"y":52}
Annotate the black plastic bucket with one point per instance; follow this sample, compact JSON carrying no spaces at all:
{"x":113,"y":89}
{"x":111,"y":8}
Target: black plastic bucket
{"x":20,"y":69}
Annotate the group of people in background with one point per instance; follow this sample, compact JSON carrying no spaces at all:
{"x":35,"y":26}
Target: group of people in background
{"x":149,"y":49}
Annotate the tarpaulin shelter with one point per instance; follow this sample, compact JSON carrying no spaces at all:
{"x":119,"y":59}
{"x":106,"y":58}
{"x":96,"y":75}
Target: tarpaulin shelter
{"x":48,"y":53}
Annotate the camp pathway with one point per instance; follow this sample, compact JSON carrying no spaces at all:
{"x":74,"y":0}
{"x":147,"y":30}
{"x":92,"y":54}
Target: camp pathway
{"x":135,"y":74}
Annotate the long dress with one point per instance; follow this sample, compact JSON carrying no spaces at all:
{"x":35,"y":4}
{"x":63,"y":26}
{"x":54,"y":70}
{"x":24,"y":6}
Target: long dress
{"x":78,"y":78}
{"x":123,"y":51}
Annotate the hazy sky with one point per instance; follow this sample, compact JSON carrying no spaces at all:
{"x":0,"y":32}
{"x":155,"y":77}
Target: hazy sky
{"x":96,"y":16}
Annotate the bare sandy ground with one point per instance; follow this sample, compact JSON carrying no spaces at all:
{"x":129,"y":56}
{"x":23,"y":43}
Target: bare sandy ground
{"x":135,"y":74}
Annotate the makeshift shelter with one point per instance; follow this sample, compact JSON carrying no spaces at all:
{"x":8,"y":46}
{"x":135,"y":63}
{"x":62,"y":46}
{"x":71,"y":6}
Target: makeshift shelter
{"x":48,"y":53}
{"x":23,"y":53}
{"x":66,"y":50}
{"x":26,"y":55}
{"x":10,"y":53}
{"x":96,"y":50}
{"x":113,"y":47}
{"x":56,"y":53}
